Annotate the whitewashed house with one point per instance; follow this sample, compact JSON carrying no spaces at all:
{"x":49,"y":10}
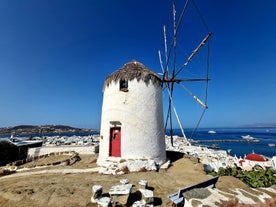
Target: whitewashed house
{"x":132,"y":125}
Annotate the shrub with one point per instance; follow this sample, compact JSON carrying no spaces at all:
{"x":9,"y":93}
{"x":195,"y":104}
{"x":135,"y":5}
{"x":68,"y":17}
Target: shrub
{"x":256,"y":178}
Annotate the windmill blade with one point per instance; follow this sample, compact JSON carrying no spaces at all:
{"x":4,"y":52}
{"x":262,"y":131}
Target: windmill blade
{"x":192,"y":80}
{"x":186,"y":80}
{"x":160,"y":61}
{"x":166,"y":69}
{"x":193,"y":53}
{"x":165,"y":47}
{"x":174,"y":41}
{"x":176,"y":115}
{"x":194,"y":96}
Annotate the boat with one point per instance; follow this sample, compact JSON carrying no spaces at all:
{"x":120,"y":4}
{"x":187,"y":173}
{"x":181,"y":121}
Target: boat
{"x":249,"y":138}
{"x":28,"y":142}
{"x":212,"y":132}
{"x":272,"y":145}
{"x":214,"y":146}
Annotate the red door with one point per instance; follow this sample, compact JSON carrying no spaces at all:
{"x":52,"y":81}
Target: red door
{"x":115,"y":142}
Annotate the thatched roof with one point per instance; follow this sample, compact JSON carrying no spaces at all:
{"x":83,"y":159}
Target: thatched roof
{"x":133,"y":70}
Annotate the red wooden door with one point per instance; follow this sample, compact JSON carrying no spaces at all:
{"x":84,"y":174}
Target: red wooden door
{"x":115,"y":142}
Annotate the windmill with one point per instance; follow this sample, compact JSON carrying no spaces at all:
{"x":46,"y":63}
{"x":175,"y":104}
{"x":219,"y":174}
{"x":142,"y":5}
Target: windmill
{"x":172,"y":73}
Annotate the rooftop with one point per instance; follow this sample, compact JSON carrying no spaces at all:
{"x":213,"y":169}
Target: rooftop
{"x":133,"y":70}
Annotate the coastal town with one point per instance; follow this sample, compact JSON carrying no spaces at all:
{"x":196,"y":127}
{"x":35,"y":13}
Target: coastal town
{"x":41,"y":130}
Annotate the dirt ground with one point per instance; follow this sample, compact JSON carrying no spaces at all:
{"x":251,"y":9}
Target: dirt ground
{"x":75,"y":189}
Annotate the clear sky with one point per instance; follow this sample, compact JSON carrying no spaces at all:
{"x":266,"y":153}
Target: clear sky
{"x":56,"y":54}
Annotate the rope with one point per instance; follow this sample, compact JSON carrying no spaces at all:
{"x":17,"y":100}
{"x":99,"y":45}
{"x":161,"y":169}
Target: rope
{"x":200,"y":15}
{"x":207,"y":75}
{"x":181,"y":16}
{"x":206,"y":92}
{"x":197,"y":125}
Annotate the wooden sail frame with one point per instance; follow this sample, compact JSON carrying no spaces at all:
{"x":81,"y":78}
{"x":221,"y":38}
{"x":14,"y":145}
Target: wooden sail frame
{"x":169,"y":80}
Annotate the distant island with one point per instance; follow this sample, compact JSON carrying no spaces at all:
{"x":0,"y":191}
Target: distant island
{"x":260,"y":125}
{"x":44,"y":129}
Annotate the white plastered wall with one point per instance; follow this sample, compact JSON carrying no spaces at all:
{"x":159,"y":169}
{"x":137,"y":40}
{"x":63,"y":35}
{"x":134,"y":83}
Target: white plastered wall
{"x":140,"y":112}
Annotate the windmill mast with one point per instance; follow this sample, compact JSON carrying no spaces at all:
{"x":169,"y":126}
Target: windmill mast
{"x":171,"y":77}
{"x":173,"y":71}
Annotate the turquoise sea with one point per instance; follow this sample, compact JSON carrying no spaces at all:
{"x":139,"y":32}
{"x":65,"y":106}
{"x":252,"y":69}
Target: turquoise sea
{"x":265,"y":135}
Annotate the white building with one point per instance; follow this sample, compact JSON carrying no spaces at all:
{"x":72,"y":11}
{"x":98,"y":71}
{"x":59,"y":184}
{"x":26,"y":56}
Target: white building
{"x":132,"y":125}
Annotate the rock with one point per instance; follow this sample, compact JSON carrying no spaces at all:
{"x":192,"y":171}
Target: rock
{"x":141,"y":165}
{"x":225,"y":183}
{"x":166,"y":165}
{"x":124,"y":181}
{"x":104,"y":202}
{"x":141,"y":203}
{"x":143,"y":184}
{"x":199,"y":193}
{"x":96,"y":193}
{"x":147,"y":195}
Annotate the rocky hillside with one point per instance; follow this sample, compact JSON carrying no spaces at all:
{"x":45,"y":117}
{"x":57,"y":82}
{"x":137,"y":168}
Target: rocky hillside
{"x":45,"y":129}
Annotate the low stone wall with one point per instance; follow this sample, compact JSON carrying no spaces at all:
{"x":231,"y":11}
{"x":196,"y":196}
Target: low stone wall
{"x":72,"y":158}
{"x":10,"y":168}
{"x":47,"y":150}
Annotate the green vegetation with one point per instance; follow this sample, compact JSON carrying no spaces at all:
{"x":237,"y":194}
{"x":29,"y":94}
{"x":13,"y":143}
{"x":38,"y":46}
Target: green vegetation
{"x":256,"y":178}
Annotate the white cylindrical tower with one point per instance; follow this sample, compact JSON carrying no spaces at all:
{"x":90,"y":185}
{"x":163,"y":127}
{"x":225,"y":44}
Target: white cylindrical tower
{"x":132,"y":125}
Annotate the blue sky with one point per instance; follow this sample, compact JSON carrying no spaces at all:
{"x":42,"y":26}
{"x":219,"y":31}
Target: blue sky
{"x":56,"y":54}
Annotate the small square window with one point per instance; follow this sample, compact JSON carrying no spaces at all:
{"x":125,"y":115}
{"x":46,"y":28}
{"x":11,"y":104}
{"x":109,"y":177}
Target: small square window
{"x":123,"y":85}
